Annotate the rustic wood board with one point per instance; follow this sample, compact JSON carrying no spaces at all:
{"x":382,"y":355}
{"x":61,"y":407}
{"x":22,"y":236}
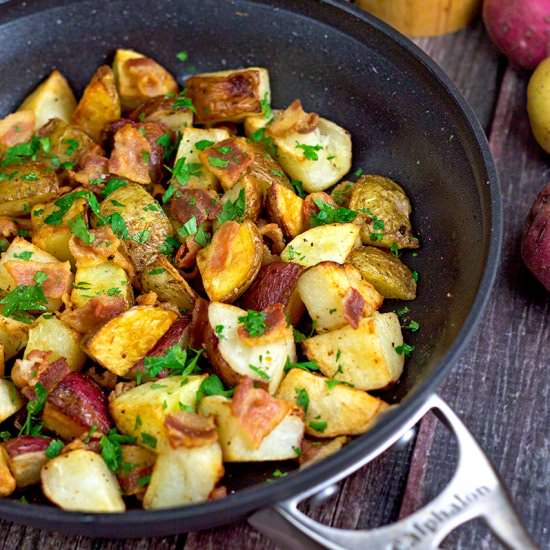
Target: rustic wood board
{"x":497,"y":387}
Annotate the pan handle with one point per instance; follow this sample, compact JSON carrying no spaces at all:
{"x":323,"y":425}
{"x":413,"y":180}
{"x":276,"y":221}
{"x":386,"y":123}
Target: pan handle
{"x":474,"y":491}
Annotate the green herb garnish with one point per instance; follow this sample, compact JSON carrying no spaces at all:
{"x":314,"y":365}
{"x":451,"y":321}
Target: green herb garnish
{"x":253,"y":322}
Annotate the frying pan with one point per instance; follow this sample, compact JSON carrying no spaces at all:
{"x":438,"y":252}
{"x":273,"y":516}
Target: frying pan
{"x":408,"y":122}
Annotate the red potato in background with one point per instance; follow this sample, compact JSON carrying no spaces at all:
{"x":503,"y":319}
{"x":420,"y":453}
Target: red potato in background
{"x":535,"y":245}
{"x":520,"y":29}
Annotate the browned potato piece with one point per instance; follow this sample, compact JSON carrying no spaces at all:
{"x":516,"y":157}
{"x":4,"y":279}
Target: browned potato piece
{"x":332,"y":409}
{"x":162,"y":109}
{"x":16,"y":128}
{"x":164,"y":280}
{"x":13,"y":336}
{"x":314,"y":451}
{"x":284,"y":207}
{"x":276,"y":284}
{"x":253,"y":200}
{"x":387,"y":209}
{"x":139,"y":78}
{"x":148,"y":226}
{"x":389,"y":275}
{"x":229,"y":95}
{"x":99,"y":104}
{"x":10,"y":400}
{"x":335,"y":295}
{"x":229,"y":264}
{"x":7,"y":481}
{"x":365,"y":357}
{"x":53,"y":98}
{"x":116,"y":346}
{"x":341,"y":193}
{"x":29,"y":184}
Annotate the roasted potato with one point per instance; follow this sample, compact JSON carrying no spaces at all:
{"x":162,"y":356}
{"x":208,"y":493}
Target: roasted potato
{"x":27,"y":185}
{"x":13,"y":336}
{"x":7,"y":481}
{"x":387,"y":209}
{"x":389,"y":275}
{"x":335,"y":295}
{"x":115,"y":346}
{"x":253,"y":199}
{"x":16,"y":128}
{"x":229,"y":264}
{"x":280,"y":444}
{"x":331,"y":408}
{"x":26,"y":454}
{"x":284,"y":208}
{"x":187,"y":150}
{"x":229,"y":95}
{"x":332,"y":242}
{"x":164,"y":280}
{"x":10,"y":400}
{"x":81,"y":481}
{"x":105,"y":278}
{"x":99,"y":104}
{"x":147,"y":224}
{"x":276,"y":284}
{"x":139,"y":78}
{"x":184,"y":476}
{"x":53,"y":98}
{"x":164,"y":110}
{"x":262,"y":358}
{"x":151,"y":403}
{"x":53,"y":335}
{"x":341,"y":193}
{"x":314,"y":451}
{"x":368,"y":357}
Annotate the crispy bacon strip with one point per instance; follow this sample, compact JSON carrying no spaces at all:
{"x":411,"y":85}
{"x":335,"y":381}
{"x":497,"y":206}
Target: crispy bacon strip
{"x":187,"y":253}
{"x":293,"y":119}
{"x":275,"y":327}
{"x":94,"y":313}
{"x":190,"y":430}
{"x":354,"y":305}
{"x":131,"y":155}
{"x":59,"y":274}
{"x":257,"y":412}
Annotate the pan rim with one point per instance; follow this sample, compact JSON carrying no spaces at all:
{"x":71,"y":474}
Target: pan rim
{"x":258,"y":496}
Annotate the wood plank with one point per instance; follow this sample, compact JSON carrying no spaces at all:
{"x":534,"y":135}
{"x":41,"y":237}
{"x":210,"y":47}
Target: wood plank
{"x":501,"y":387}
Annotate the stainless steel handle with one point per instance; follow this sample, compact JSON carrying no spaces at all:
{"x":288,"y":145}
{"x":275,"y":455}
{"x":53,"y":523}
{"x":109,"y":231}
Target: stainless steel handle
{"x":474,"y":491}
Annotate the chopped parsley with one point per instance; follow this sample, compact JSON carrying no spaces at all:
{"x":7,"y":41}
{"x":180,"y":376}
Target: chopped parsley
{"x":152,"y":207}
{"x":182,"y":101}
{"x":298,"y":188}
{"x":182,"y":56}
{"x":31,"y":176}
{"x":279,"y":473}
{"x":267,"y":142}
{"x":189,"y":228}
{"x":111,"y":451}
{"x":34,"y":408}
{"x":331,"y":383}
{"x":330,"y":214}
{"x":260,"y":372}
{"x":233,"y":210}
{"x":304,"y":365}
{"x":318,"y":425}
{"x":404,"y":349}
{"x":413,"y":326}
{"x":112,"y":185}
{"x":302,"y":399}
{"x":212,"y":386}
{"x":24,"y":298}
{"x":217,"y":162}
{"x":169,"y":246}
{"x":144,"y":480}
{"x":309,"y":151}
{"x":142,"y":236}
{"x":218,"y":329}
{"x":25,"y":255}
{"x":156,"y":271}
{"x":72,"y":146}
{"x":394,"y":249}
{"x":145,"y":156}
{"x":298,"y":336}
{"x":402,"y":311}
{"x":176,"y":360}
{"x":358,"y":173}
{"x":202,"y":237}
{"x":64,"y":204}
{"x":267,"y":112}
{"x":415,"y":276}
{"x":181,"y":172}
{"x":54,"y":448}
{"x":114,"y":291}
{"x":253,"y":322}
{"x":79,"y":228}
{"x":149,"y":440}
{"x":203,"y":144}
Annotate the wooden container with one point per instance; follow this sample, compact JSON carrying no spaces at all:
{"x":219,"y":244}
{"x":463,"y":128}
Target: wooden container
{"x":423,"y":17}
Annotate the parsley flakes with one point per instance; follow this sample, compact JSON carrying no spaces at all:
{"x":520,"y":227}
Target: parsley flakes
{"x":309,"y":151}
{"x":253,"y":322}
{"x":330,"y":214}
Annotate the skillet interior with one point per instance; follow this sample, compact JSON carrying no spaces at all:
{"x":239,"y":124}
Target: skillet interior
{"x":406,"y":122}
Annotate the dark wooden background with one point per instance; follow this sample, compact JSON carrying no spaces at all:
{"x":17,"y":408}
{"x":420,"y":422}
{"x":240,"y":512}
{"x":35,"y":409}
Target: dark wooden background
{"x":500,"y":387}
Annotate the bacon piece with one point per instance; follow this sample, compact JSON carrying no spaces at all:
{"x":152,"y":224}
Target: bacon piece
{"x":17,"y":128}
{"x":24,"y":370}
{"x":218,"y":493}
{"x":190,"y":430}
{"x":8,"y":227}
{"x":275,"y":327}
{"x":131,"y":155}
{"x":59,"y":275}
{"x":93,"y":165}
{"x":226,"y":233}
{"x":186,"y":203}
{"x":309,"y":208}
{"x":257,"y":411}
{"x":187,"y":253}
{"x":199,"y":323}
{"x":94,"y":313}
{"x":274,"y":233}
{"x":293,"y":119}
{"x":354,"y":305}
{"x":149,"y":77}
{"x":177,"y":333}
{"x":37,"y":368}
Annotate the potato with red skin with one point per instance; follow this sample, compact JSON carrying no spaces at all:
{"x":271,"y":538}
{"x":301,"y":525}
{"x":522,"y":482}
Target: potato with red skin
{"x":535,"y":245}
{"x":276,"y":284}
{"x":74,"y":406}
{"x":26,"y":455}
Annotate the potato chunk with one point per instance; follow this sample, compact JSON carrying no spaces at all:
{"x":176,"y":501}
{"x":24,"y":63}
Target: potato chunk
{"x":262,"y":358}
{"x":387,"y":209}
{"x":10,"y":400}
{"x":280,"y":444}
{"x":7,"y":481}
{"x":119,"y":343}
{"x":151,"y":403}
{"x":229,"y":95}
{"x":139,"y":78}
{"x":230,"y":262}
{"x":184,"y":476}
{"x":331,"y":409}
{"x":332,"y":242}
{"x":53,"y":98}
{"x":81,"y":481}
{"x":285,"y":209}
{"x":389,"y":275}
{"x":335,"y":295}
{"x":365,"y":357}
{"x":99,"y":104}
{"x":13,"y":336}
{"x":53,"y":335}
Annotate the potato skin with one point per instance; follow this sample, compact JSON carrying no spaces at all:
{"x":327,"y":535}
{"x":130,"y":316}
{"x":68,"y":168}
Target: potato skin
{"x":388,"y":274}
{"x":535,"y":245}
{"x":538,"y":104}
{"x":276,"y":284}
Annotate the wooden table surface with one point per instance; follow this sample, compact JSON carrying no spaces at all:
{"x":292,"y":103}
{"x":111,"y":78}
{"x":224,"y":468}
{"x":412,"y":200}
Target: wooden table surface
{"x":500,"y":387}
